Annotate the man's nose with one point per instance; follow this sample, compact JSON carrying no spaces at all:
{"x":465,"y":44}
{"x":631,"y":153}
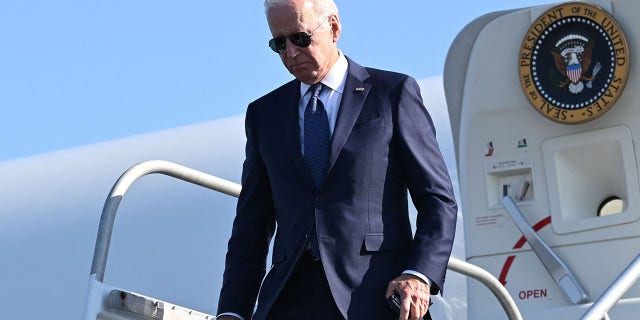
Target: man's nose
{"x":291,"y":49}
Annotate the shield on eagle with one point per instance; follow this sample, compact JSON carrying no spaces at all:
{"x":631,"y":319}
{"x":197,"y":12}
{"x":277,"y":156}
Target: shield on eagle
{"x":574,"y":72}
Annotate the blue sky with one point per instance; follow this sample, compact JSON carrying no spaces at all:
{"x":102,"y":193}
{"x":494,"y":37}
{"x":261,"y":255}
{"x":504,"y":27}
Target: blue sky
{"x":78,"y":72}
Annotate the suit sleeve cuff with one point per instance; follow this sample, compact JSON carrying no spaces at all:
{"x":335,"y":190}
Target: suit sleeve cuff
{"x":419,"y":275}
{"x":230,"y":314}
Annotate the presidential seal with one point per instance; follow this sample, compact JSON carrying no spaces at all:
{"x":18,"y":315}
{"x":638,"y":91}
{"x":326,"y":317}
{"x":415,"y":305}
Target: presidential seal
{"x":574,"y":62}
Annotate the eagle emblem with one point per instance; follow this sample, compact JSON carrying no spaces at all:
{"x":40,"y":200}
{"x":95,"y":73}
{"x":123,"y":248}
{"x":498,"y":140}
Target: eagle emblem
{"x":572,"y":57}
{"x":573,"y":68}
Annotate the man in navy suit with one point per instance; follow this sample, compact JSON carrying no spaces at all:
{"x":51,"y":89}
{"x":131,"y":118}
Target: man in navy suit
{"x":343,"y":238}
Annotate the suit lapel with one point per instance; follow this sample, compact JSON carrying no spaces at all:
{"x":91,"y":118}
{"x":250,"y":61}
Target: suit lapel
{"x":353,"y":98}
{"x":293,"y":131}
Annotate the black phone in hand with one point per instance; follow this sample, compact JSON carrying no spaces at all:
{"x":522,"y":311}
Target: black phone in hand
{"x":394,"y":302}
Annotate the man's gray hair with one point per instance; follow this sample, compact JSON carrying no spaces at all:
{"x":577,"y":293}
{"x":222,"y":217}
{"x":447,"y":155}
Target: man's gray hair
{"x":322,"y":8}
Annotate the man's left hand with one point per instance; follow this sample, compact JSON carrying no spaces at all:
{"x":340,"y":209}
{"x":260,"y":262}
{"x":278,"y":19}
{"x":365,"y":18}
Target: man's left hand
{"x":414,"y":296}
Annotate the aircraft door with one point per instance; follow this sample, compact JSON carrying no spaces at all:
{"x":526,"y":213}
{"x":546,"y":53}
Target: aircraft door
{"x":542,"y":105}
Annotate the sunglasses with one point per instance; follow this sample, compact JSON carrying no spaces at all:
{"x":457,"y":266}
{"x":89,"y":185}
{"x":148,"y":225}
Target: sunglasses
{"x":299,"y":39}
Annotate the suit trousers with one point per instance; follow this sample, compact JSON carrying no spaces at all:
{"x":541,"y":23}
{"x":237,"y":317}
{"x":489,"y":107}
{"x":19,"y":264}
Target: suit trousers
{"x":306,"y":295}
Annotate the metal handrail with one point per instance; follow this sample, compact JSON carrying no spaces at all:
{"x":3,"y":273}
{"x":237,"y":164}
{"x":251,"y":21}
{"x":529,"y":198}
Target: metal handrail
{"x":614,"y":292}
{"x":127,"y":179}
{"x":202,"y":179}
{"x":489,"y":281}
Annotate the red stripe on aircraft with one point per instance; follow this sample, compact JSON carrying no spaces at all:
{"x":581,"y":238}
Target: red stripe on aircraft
{"x":507,"y":264}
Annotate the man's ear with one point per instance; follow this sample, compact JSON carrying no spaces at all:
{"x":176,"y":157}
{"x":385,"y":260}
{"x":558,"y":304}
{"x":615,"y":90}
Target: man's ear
{"x":336,"y":27}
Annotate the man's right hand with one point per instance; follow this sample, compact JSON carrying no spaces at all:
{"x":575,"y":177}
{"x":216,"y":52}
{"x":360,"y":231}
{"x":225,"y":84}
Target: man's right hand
{"x":414,"y":295}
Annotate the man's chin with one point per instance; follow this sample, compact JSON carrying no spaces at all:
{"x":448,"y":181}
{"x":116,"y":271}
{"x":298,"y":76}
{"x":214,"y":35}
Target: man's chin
{"x":307,"y":78}
{"x":304,"y":74}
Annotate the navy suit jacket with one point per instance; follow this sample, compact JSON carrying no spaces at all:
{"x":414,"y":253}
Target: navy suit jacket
{"x":383,"y":145}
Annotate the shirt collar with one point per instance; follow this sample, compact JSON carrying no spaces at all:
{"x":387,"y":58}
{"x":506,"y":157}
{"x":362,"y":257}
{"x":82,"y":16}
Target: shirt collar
{"x":335,"y":79}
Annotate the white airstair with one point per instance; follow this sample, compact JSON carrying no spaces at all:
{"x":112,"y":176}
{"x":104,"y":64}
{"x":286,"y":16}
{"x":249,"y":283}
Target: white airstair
{"x":106,"y":302}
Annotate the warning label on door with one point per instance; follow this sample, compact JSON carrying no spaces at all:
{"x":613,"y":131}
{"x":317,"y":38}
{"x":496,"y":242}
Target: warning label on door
{"x":488,"y":220}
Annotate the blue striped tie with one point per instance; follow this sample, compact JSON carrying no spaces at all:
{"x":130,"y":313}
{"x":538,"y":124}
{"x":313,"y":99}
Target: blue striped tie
{"x":316,"y":147}
{"x":316,"y":135}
